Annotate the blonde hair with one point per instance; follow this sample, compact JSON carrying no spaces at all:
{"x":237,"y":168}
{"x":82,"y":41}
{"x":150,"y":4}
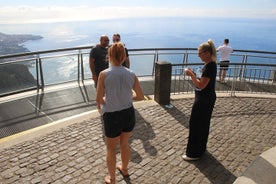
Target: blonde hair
{"x":209,"y":46}
{"x":117,"y":53}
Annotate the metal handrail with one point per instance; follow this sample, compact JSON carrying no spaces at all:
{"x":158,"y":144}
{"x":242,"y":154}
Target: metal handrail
{"x":81,"y":53}
{"x":131,"y":50}
{"x":234,"y":81}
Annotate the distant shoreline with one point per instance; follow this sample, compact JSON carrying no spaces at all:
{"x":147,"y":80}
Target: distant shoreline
{"x":11,"y":43}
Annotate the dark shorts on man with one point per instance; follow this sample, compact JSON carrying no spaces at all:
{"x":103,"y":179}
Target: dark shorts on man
{"x":119,"y":121}
{"x":224,"y":65}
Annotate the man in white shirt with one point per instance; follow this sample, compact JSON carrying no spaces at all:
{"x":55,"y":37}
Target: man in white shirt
{"x":225,"y":51}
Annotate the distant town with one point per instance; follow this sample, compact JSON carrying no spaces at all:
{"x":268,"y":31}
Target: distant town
{"x":12,"y":43}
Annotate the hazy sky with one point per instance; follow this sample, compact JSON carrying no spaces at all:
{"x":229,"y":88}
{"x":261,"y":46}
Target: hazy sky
{"x":15,"y":11}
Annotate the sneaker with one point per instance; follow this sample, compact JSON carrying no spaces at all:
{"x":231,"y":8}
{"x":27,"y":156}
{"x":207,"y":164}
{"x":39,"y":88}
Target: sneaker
{"x":185,"y":157}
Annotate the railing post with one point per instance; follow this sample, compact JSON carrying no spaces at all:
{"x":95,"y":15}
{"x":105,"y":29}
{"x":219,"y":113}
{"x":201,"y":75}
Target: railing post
{"x":79,"y":65}
{"x":243,"y":68}
{"x":274,"y":76}
{"x":162,"y":85}
{"x":41,"y":74}
{"x":234,"y":81}
{"x":155,"y":59}
{"x":37,"y":72}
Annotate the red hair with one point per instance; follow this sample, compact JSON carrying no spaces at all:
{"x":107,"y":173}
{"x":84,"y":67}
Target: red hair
{"x":117,"y":53}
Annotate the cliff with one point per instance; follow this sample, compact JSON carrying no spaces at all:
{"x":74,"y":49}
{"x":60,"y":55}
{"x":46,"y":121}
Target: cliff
{"x":15,"y":76}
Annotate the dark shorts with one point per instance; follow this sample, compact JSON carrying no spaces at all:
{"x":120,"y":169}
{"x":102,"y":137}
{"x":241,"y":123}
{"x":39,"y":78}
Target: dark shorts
{"x":117,"y":122}
{"x":224,"y":65}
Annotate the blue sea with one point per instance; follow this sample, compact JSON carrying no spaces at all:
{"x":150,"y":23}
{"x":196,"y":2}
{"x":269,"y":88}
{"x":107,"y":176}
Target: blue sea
{"x":244,"y":34}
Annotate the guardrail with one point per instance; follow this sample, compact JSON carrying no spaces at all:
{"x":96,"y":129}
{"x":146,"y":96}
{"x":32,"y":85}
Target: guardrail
{"x":240,"y":77}
{"x":37,"y":70}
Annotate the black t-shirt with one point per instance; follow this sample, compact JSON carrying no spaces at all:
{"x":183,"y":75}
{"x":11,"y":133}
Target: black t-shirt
{"x":100,"y":55}
{"x":210,"y":71}
{"x":124,"y":63}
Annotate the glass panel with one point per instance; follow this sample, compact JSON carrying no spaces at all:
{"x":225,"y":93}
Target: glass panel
{"x":16,"y":76}
{"x":60,"y":69}
{"x":86,"y":67}
{"x":141,"y":64}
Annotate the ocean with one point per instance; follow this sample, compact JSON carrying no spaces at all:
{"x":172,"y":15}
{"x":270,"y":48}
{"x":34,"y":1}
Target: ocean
{"x":136,"y":33}
{"x":244,"y":34}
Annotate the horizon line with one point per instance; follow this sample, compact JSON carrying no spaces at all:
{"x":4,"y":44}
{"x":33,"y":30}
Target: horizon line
{"x":45,"y":21}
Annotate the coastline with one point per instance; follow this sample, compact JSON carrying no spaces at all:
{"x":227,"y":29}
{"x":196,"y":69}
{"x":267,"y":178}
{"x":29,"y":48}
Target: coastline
{"x":12,"y":43}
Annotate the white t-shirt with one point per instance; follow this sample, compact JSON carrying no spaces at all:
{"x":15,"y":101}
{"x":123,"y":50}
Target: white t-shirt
{"x":225,"y":51}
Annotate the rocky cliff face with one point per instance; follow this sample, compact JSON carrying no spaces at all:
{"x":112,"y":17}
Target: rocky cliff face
{"x":15,"y":76}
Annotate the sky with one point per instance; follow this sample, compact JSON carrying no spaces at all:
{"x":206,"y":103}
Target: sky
{"x":36,"y":11}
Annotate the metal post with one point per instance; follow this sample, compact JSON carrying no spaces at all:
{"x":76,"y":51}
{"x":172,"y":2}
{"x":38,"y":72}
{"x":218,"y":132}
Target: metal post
{"x":234,"y":81}
{"x":162,"y":88}
{"x":41,"y":74}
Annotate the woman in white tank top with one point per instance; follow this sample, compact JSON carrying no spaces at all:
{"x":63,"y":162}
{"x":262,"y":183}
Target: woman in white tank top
{"x":114,"y":100}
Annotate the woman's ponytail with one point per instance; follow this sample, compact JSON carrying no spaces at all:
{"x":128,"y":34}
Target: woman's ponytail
{"x":213,"y":50}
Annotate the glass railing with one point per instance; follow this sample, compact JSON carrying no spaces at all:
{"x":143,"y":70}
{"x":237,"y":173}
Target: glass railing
{"x":37,"y":70}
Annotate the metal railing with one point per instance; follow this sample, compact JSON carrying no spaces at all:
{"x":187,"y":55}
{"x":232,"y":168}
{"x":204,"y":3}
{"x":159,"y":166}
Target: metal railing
{"x":240,"y":77}
{"x":37,"y":70}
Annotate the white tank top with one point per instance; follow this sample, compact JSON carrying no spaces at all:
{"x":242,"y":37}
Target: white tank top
{"x":118,"y":83}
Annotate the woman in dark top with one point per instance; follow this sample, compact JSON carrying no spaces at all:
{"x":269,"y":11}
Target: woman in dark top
{"x":205,"y":98}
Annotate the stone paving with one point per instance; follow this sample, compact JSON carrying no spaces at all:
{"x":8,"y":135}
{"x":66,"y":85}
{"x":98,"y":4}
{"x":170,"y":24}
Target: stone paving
{"x":241,"y":129}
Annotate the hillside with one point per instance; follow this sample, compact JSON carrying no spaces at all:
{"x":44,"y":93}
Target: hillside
{"x":15,"y":76}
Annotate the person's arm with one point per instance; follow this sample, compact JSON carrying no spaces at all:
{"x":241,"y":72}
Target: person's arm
{"x":138,"y":95}
{"x":100,"y":90}
{"x":92,"y":68}
{"x":127,"y":62}
{"x":199,"y":83}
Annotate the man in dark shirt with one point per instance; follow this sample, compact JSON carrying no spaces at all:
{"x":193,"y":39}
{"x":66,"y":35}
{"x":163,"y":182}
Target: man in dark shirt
{"x":117,"y":38}
{"x":98,"y":60}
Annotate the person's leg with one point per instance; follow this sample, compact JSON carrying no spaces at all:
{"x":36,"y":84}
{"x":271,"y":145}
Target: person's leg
{"x":194,"y":128}
{"x":128,"y":119}
{"x":225,"y":68}
{"x":125,"y":152}
{"x":223,"y":75}
{"x":111,"y":145}
{"x":220,"y":74}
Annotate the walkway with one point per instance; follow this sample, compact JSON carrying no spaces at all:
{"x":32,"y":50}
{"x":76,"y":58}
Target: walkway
{"x":73,"y":150}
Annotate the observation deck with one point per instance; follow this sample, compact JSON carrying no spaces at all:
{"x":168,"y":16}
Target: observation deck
{"x":52,"y":133}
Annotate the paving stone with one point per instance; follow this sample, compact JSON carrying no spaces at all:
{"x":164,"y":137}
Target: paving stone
{"x":241,"y":129}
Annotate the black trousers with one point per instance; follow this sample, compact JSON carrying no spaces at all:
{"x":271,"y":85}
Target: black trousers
{"x":199,"y":126}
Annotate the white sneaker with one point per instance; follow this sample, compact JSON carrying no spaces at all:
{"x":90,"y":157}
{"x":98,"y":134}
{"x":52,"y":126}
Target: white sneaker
{"x":185,"y":157}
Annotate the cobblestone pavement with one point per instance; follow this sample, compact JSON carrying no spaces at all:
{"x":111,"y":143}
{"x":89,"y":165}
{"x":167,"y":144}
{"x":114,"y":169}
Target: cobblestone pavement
{"x":241,"y":129}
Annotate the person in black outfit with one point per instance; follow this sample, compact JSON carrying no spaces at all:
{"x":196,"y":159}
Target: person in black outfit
{"x":98,"y":60}
{"x":117,"y":38}
{"x":205,"y":98}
